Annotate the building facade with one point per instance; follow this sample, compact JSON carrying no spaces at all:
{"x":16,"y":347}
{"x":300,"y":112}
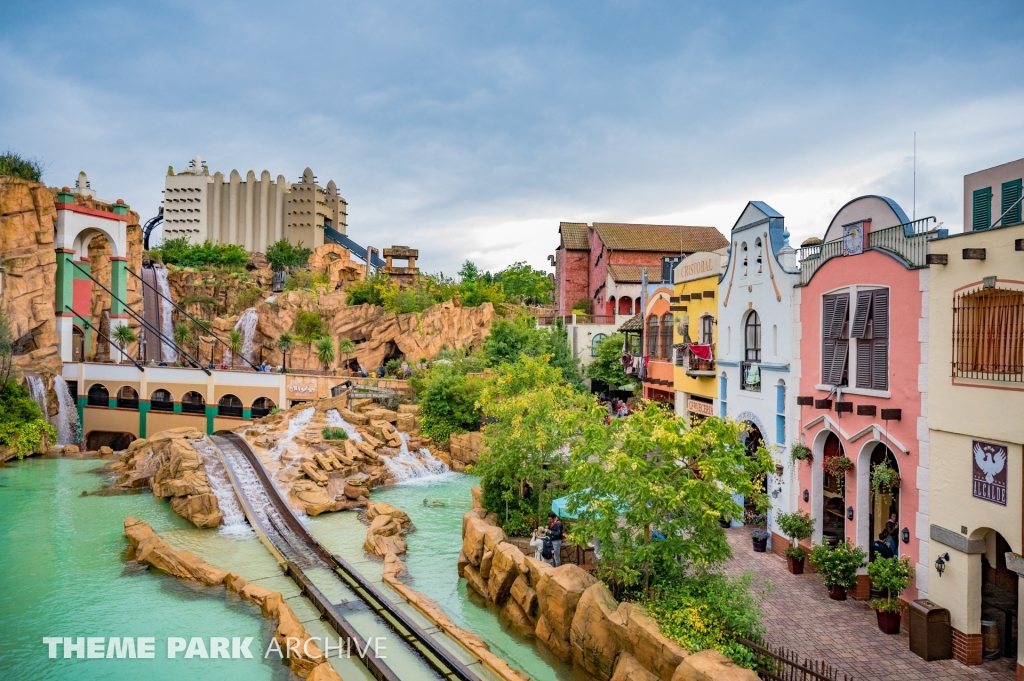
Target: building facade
{"x":694,"y":308}
{"x":976,"y":399}
{"x":757,"y":375}
{"x":658,"y":345}
{"x":862,"y":310}
{"x":253,"y":213}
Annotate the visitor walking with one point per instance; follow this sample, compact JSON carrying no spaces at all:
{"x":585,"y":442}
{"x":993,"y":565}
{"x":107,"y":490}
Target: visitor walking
{"x":556,"y":534}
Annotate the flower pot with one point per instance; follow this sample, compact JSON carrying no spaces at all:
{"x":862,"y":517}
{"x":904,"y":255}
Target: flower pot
{"x":760,"y":545}
{"x":725,"y":524}
{"x":837,"y":593}
{"x":888,"y":622}
{"x":796,"y":565}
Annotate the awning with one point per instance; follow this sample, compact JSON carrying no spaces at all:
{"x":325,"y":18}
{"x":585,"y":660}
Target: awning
{"x":560,"y":507}
{"x":700,"y":351}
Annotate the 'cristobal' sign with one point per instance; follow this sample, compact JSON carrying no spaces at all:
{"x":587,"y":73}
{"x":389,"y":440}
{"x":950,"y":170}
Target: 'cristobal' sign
{"x":989,"y":463}
{"x":698,"y":266}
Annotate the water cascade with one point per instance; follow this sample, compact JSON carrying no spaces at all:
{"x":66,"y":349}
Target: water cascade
{"x":220,"y":485}
{"x":167,"y":351}
{"x":282,"y":452}
{"x":247,"y":325}
{"x":66,"y":420}
{"x":335,"y":420}
{"x":37,"y":391}
{"x":416,"y":467}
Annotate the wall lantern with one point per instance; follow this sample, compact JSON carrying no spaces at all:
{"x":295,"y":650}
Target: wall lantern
{"x":807,"y":496}
{"x":940,"y":563}
{"x":906,"y":535}
{"x":849,"y":513}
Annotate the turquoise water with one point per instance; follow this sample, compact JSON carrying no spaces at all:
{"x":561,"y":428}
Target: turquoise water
{"x":433,"y":552}
{"x":62,"y":574}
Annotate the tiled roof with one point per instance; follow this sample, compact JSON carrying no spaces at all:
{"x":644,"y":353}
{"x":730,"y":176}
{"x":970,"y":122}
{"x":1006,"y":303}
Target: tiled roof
{"x":630,"y":274}
{"x":634,"y":323}
{"x":659,"y":238}
{"x":574,"y":236}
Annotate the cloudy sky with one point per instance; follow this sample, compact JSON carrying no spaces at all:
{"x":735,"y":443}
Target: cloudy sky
{"x":470,"y":129}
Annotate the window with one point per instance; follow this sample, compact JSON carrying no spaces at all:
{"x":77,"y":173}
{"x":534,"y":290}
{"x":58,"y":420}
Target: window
{"x":98,"y":396}
{"x":666,"y":336}
{"x":161,"y":400}
{"x":752,"y":339}
{"x":707,"y":329}
{"x":835,"y":338}
{"x":229,"y":405}
{"x":261,"y":407}
{"x":625,"y":306}
{"x":668,"y":264}
{"x":723,"y":392}
{"x":780,"y":413}
{"x":1011,"y":196}
{"x":775,"y":340}
{"x":652,"y":336}
{"x":871,"y":334}
{"x":127,"y":398}
{"x":743,"y":251}
{"x":759,"y":254}
{"x":988,"y":334}
{"x":982,"y":208}
{"x":595,"y":342}
{"x":193,"y":403}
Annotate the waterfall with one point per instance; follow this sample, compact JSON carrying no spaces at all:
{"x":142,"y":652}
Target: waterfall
{"x":66,"y":420}
{"x":335,"y":420}
{"x":167,"y":350}
{"x":415,"y":467}
{"x":37,"y":391}
{"x":286,"y":446}
{"x":220,"y":485}
{"x":247,"y":325}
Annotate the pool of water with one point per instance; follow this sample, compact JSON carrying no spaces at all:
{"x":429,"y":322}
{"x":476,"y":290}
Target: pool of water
{"x":433,"y":553}
{"x":62,"y":574}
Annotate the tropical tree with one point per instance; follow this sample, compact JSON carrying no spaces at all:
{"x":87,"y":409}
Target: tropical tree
{"x":523,"y":284}
{"x":651,"y":491}
{"x":284,"y":344}
{"x":124,"y":336}
{"x":325,"y":351}
{"x":345,"y":346}
{"x":182,"y":335}
{"x":607,"y":366}
{"x":235,"y":343}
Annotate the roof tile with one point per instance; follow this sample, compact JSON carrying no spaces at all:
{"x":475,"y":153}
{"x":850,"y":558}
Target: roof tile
{"x":574,"y":236}
{"x":630,"y":274}
{"x":658,"y":238}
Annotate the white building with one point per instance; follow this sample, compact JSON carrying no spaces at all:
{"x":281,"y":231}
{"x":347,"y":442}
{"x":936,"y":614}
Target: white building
{"x":756,"y":368}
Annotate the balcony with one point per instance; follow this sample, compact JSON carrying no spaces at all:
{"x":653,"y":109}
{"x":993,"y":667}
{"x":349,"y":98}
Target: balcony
{"x":908,"y":241}
{"x":693,"y":363}
{"x":750,"y":377}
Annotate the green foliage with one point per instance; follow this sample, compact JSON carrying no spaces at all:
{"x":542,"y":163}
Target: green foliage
{"x":333,"y":433}
{"x":393,"y":367}
{"x":651,"y":473}
{"x":800,"y":452}
{"x":708,"y":611}
{"x":308,"y":325}
{"x":891,"y":575}
{"x":245,"y":296}
{"x":838,"y":566}
{"x":124,"y":335}
{"x":346,"y":346}
{"x":23,"y":425}
{"x":560,"y":355}
{"x":182,"y":334}
{"x":326,"y":353}
{"x":510,"y":338}
{"x":797,"y":552}
{"x":837,"y":466}
{"x":797,"y":525}
{"x":369,"y":291}
{"x":15,"y":165}
{"x":607,"y":366}
{"x":274,"y":410}
{"x":184,"y":254}
{"x":283,"y":255}
{"x":17,"y":405}
{"x":583,"y":306}
{"x":520,"y":283}
{"x":235,"y":343}
{"x":884,"y":479}
{"x":448,"y":400}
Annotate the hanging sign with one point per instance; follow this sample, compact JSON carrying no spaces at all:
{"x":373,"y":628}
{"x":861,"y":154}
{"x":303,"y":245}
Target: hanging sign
{"x":989,"y":463}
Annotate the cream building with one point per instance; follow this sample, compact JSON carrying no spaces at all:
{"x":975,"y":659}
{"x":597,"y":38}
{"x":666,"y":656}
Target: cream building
{"x":975,"y":426}
{"x":251,"y":212}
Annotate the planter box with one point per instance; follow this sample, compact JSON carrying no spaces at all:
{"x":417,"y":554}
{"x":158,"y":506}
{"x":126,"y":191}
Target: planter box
{"x":760,"y":546}
{"x":888,"y":622}
{"x":796,"y":566}
{"x":837,"y":593}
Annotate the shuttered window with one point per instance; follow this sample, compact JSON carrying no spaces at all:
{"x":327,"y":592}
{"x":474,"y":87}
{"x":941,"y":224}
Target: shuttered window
{"x":652,"y":336}
{"x":835,"y":338}
{"x":871,"y":331}
{"x":982,"y":208}
{"x":1011,"y":196}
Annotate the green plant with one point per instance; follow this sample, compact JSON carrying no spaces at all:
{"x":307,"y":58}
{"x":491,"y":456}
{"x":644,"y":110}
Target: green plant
{"x":583,"y":306}
{"x":838,"y":566}
{"x":333,"y":433}
{"x":837,"y":466}
{"x":325,"y":352}
{"x":299,"y":280}
{"x":800,"y":452}
{"x":308,"y":325}
{"x":884,"y":479}
{"x":14,"y":165}
{"x":393,"y":367}
{"x":274,"y":410}
{"x":283,"y":255}
{"x":520,"y":283}
{"x":607,"y":366}
{"x":891,"y":575}
{"x":448,"y":401}
{"x":798,"y":525}
{"x":123,"y":336}
{"x":235,"y":344}
{"x":795,"y":552}
{"x":183,"y":253}
{"x":760,"y":535}
{"x":284,"y":344}
{"x":346,"y":346}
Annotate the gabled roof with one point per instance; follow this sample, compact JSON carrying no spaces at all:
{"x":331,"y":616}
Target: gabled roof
{"x":628,"y":274}
{"x":634,"y":323}
{"x":574,"y":236}
{"x":659,"y":238}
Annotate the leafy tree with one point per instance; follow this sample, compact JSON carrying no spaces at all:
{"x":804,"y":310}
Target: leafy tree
{"x":523,"y":284}
{"x":561,"y":357}
{"x":326,"y":352}
{"x":583,"y":306}
{"x":469,"y":272}
{"x":308,"y":325}
{"x":23,"y":425}
{"x":15,"y":165}
{"x":235,"y":343}
{"x":346,"y":346}
{"x":123,"y":336}
{"x":510,"y":338}
{"x":607,"y":366}
{"x":182,"y":335}
{"x":651,"y":490}
{"x":283,"y":255}
{"x":284,"y":344}
{"x":448,"y":401}
{"x":183,"y":253}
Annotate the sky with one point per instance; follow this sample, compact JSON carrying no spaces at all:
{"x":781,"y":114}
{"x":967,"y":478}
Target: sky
{"x":469,"y":130}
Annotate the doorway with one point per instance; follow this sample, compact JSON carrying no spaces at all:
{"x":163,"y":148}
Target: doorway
{"x":753,"y":440}
{"x":833,"y":497}
{"x":884,"y":502}
{"x":999,"y":586}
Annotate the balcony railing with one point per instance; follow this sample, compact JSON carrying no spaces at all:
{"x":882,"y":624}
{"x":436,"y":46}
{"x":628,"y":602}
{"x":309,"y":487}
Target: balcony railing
{"x":578,"y":318}
{"x":909,"y":241}
{"x":750,"y":377}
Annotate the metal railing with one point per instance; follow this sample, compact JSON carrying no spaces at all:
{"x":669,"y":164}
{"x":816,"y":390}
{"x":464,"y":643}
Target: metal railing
{"x":908,"y":240}
{"x":745,"y":381}
{"x":779,"y":664}
{"x":988,"y":335}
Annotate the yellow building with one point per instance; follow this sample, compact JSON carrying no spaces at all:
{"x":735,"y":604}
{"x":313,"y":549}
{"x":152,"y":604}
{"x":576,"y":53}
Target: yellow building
{"x":695,"y":333}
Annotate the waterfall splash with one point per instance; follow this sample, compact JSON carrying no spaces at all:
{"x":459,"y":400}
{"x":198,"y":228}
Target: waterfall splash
{"x":336,"y":420}
{"x":66,"y":420}
{"x":247,"y":325}
{"x":220,"y":485}
{"x":282,"y":451}
{"x":416,"y":467}
{"x":167,"y":351}
{"x":37,"y":391}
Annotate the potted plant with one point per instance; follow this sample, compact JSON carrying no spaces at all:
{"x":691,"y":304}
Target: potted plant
{"x":800,"y":452}
{"x":891,"y":575}
{"x":760,"y":538}
{"x":838,"y":567}
{"x":798,"y":526}
{"x":884,"y":479}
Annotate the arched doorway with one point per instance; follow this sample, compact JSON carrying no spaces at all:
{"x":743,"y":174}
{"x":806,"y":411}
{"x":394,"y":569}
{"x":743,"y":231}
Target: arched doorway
{"x":193,"y":403}
{"x":753,"y":439}
{"x":625,"y":306}
{"x":883,"y":500}
{"x":261,"y":407}
{"x":999,"y":587}
{"x":104,"y":438}
{"x":833,"y":496}
{"x":77,"y":344}
{"x":161,"y":400}
{"x":99,"y":396}
{"x":127,"y":398}
{"x":229,"y":405}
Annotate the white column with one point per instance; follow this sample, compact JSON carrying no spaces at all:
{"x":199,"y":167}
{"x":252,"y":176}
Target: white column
{"x":233,"y":208}
{"x":250,"y":197}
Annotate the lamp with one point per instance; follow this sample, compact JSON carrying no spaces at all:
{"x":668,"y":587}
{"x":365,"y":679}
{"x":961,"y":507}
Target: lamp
{"x":940,"y":563}
{"x":849,"y":513}
{"x":906,"y":535}
{"x":807,"y":496}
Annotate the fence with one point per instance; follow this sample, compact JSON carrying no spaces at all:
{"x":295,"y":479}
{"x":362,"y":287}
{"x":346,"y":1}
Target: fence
{"x":779,"y":664}
{"x":909,"y":241}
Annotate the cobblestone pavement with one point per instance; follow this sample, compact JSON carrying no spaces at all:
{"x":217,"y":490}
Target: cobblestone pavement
{"x":800,"y":616}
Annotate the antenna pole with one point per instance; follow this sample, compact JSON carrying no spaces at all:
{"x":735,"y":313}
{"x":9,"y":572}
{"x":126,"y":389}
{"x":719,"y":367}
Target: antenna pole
{"x":915,"y":175}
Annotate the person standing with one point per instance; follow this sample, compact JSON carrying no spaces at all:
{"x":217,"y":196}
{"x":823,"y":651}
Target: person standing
{"x":555,"y":533}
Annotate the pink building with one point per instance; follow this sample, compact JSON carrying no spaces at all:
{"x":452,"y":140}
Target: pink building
{"x":862,"y":321}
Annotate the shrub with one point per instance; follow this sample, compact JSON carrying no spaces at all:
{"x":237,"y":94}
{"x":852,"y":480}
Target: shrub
{"x":797,"y":525}
{"x":800,"y":452}
{"x":884,"y":479}
{"x":369,"y":291}
{"x":583,"y":306}
{"x":891,"y":575}
{"x":184,"y":254}
{"x":333,"y":433}
{"x":283,"y":255}
{"x":838,"y":566}
{"x":308,"y":325}
{"x":15,"y":165}
{"x":760,"y":535}
{"x":448,"y":402}
{"x":795,"y":552}
{"x":394,"y":366}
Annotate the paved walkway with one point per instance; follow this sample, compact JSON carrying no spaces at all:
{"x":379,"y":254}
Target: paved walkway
{"x":800,"y":616}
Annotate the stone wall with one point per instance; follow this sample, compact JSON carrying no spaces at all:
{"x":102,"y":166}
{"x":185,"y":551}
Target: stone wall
{"x":575,"y":615}
{"x":465,"y":450}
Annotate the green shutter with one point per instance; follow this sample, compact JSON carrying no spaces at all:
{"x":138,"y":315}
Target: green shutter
{"x":1011,"y":195}
{"x":982,"y":209}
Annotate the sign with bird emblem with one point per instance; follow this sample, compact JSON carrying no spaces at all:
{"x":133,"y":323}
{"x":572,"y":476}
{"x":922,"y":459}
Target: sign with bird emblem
{"x":989,"y":465}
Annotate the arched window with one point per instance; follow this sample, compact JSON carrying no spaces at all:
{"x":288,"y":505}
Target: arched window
{"x":636,"y":306}
{"x":261,"y":407}
{"x":610,"y":306}
{"x":127,"y":398}
{"x":666,"y":336}
{"x":652,"y":336}
{"x":77,"y":344}
{"x":752,"y":338}
{"x":707,"y":329}
{"x":595,"y":342}
{"x":161,"y":400}
{"x":744,"y":256}
{"x":193,"y":403}
{"x":625,"y":306}
{"x":98,"y":395}
{"x":759,"y":251}
{"x":229,"y":405}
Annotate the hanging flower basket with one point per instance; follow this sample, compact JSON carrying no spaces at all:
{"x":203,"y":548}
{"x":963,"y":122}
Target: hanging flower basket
{"x":837,"y":466}
{"x":884,"y":480}
{"x":800,"y":452}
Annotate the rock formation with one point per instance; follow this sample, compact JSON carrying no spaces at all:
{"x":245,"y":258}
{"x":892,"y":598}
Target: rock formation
{"x":306,"y":660}
{"x":336,"y":262}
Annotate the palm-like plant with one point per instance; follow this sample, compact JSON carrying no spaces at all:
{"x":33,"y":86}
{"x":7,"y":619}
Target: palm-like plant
{"x":284,"y":344}
{"x":325,"y":351}
{"x":345,"y":346}
{"x":182,"y":335}
{"x":235,"y":342}
{"x":123,"y":336}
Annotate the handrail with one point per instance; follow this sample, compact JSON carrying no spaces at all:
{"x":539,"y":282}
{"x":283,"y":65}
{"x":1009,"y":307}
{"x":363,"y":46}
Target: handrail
{"x":196,"y":321}
{"x":142,"y":320}
{"x":901,"y":239}
{"x":99,"y":333}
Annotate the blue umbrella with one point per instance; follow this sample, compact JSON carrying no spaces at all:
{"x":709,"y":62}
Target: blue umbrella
{"x":560,"y":507}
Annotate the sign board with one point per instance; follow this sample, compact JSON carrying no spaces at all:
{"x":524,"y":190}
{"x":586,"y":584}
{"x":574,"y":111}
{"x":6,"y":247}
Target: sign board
{"x":302,"y":386}
{"x":698,"y":407}
{"x":989,"y":464}
{"x":698,"y":266}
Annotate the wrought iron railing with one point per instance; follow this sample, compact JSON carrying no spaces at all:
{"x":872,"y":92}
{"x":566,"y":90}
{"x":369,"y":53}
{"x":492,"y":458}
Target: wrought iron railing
{"x":988,"y":335}
{"x":750,"y":377}
{"x":908,"y":240}
{"x":780,"y":664}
